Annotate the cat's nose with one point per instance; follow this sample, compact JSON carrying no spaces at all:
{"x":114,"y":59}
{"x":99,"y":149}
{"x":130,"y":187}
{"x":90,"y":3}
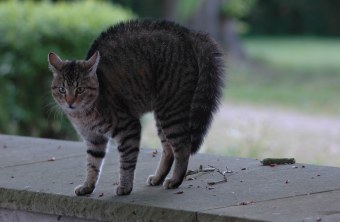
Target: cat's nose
{"x":70,"y":102}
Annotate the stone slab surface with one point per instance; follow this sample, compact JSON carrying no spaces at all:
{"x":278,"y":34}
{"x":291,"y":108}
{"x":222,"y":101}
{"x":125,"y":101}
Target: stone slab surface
{"x":324,"y":206}
{"x":30,"y":182}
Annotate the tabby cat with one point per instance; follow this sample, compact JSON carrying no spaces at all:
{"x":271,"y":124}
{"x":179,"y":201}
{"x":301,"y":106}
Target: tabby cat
{"x":133,"y":68}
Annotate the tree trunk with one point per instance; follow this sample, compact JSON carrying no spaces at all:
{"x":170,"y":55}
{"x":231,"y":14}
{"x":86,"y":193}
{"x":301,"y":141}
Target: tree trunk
{"x":231,"y":40}
{"x":206,"y":18}
{"x":169,"y":9}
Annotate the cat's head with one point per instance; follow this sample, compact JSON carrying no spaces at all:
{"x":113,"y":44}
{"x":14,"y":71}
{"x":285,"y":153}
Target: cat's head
{"x":75,"y":85}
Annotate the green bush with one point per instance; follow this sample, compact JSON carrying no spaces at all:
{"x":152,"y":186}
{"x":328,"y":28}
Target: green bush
{"x":28,"y":32}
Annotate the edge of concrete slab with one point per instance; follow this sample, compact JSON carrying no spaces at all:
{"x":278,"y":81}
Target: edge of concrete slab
{"x":101,"y":210}
{"x":86,"y":208}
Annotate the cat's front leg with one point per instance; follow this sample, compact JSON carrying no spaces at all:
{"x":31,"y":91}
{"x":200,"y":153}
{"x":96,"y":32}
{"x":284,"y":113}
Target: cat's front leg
{"x":128,"y":147}
{"x":96,"y":150}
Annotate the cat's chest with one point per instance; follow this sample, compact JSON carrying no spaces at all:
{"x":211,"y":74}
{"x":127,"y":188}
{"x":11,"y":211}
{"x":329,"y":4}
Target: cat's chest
{"x":90,"y":126}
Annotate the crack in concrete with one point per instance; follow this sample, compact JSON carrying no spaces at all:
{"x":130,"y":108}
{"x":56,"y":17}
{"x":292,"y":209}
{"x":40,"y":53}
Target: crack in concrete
{"x":42,"y":161}
{"x":280,"y":198}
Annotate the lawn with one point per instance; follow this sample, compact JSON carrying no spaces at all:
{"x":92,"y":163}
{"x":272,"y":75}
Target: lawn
{"x":294,"y":73}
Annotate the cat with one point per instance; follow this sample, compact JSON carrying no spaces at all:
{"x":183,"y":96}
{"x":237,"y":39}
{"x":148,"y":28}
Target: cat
{"x":132,"y":68}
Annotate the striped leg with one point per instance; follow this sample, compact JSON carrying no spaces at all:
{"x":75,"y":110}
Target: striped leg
{"x":96,"y":149}
{"x":176,"y":130}
{"x":128,"y":148}
{"x":182,"y":154}
{"x":165,"y":163}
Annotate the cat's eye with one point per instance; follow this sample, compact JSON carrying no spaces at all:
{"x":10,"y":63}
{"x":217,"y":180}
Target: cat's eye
{"x":62,"y":90}
{"x":80,"y":90}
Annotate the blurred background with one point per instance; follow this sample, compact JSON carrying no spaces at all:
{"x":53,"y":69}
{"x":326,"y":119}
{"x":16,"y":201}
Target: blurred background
{"x":283,"y":78}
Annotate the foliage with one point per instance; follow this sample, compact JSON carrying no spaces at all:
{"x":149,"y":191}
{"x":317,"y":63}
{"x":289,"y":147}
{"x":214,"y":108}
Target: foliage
{"x":229,"y":8}
{"x":144,"y":8}
{"x":29,"y":31}
{"x":186,"y":9}
{"x":283,"y":17}
{"x":236,"y":8}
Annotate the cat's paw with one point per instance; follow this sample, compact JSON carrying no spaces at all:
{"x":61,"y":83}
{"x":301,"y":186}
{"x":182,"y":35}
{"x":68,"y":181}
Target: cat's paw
{"x":82,"y":190}
{"x":123,"y":190}
{"x":171,"y":183}
{"x":154,"y":180}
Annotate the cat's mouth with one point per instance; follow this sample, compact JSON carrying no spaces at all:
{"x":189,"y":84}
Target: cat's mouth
{"x":71,"y":107}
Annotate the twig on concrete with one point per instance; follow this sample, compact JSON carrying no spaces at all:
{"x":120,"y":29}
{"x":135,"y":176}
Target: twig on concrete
{"x":207,"y":170}
{"x":199,"y":170}
{"x":216,"y":182}
{"x":220,"y":172}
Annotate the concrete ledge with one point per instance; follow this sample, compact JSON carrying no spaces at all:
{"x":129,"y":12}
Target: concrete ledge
{"x":87,"y":208}
{"x":31,"y":186}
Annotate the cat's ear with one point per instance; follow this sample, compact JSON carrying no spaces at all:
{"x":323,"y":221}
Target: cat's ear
{"x":55,"y":63}
{"x":92,"y":63}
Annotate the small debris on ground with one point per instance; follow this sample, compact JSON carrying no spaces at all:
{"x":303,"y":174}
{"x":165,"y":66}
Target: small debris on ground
{"x":101,"y":195}
{"x":247,"y":202}
{"x":12,"y":177}
{"x":318,"y":219}
{"x":227,"y":171}
{"x":179,"y":192}
{"x":278,"y":161}
{"x":4,"y":146}
{"x":51,"y":158}
{"x":244,"y":168}
{"x":294,"y":167}
{"x":287,"y":181}
{"x":115,"y":184}
{"x":154,"y":153}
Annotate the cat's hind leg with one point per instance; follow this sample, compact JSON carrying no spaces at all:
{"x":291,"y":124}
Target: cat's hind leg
{"x":176,"y":130}
{"x":96,"y":150}
{"x":166,"y":161}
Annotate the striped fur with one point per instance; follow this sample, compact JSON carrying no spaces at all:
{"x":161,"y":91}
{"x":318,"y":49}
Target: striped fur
{"x":133,"y":68}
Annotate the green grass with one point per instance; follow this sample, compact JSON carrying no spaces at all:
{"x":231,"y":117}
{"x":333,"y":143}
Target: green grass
{"x":305,"y":54}
{"x":295,"y":73}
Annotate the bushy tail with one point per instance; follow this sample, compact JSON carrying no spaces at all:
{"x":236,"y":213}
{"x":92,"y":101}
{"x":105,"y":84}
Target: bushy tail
{"x":208,"y":90}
